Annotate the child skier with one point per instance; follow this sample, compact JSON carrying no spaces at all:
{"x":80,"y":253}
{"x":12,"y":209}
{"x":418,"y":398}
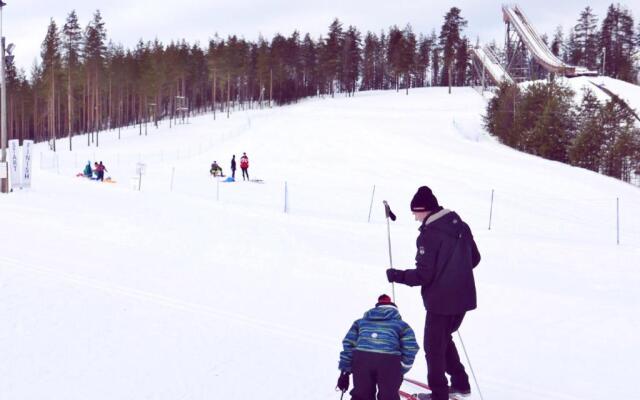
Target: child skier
{"x":378,"y":349}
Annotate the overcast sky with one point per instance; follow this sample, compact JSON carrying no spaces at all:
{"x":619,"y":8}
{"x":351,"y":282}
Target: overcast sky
{"x":25,"y":21}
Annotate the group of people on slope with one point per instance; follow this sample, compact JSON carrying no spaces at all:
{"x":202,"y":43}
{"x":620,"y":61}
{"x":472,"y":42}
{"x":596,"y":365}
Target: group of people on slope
{"x":95,"y":173}
{"x":216,"y":169}
{"x":380,"y":348}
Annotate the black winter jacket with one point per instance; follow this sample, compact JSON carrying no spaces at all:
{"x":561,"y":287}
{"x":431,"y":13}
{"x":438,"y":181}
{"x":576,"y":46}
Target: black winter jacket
{"x":445,"y":260}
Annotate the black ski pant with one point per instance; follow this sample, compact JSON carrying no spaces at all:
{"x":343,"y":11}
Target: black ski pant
{"x":245,"y":171}
{"x":442,"y":355}
{"x":233,"y":173}
{"x":376,"y":369}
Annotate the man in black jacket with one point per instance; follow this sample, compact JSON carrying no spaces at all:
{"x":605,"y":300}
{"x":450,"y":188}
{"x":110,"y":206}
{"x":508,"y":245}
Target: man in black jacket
{"x":445,"y":260}
{"x":233,"y":166}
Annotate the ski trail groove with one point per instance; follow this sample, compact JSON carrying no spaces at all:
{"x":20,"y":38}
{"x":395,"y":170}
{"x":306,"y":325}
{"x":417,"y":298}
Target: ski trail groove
{"x":170,"y":302}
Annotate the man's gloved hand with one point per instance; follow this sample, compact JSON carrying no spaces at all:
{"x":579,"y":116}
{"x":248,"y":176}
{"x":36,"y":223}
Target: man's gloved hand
{"x":343,"y":381}
{"x":395,"y":275}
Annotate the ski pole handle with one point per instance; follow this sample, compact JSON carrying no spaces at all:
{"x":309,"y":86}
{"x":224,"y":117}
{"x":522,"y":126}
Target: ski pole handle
{"x":387,"y":211}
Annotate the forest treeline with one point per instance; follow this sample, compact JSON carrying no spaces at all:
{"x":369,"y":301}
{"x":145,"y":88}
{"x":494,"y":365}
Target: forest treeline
{"x":85,"y":83}
{"x":542,"y":119}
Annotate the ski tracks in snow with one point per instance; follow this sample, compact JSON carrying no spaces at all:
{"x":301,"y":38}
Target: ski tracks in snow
{"x":170,"y":302}
{"x":510,"y":389}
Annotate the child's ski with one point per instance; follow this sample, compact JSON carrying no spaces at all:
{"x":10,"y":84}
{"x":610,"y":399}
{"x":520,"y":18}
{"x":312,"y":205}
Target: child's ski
{"x":421,"y":396}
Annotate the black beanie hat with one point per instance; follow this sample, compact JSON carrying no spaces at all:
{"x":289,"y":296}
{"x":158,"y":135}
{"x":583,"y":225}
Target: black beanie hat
{"x":424,"y":200}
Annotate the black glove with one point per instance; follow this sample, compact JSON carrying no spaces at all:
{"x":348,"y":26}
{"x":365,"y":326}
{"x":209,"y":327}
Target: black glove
{"x":395,"y":275}
{"x":343,"y":381}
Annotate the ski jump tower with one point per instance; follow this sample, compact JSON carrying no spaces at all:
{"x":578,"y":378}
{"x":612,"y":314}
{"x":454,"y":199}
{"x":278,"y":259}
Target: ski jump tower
{"x":522,"y":39}
{"x":526,"y":55}
{"x":487,"y":68}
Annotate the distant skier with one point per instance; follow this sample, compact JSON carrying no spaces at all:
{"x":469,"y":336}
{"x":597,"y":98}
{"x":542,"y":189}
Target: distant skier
{"x":233,"y":167}
{"x":378,"y":349}
{"x":445,"y":260}
{"x":244,"y":166}
{"x":216,"y":169}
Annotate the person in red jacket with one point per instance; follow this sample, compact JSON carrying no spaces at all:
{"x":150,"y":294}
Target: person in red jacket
{"x":244,"y":166}
{"x":100,"y":170}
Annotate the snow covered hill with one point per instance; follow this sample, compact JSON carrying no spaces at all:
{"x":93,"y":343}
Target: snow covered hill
{"x":194,"y":289}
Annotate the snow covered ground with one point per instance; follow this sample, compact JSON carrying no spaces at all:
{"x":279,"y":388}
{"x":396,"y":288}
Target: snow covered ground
{"x":193,"y":289}
{"x":628,"y":92}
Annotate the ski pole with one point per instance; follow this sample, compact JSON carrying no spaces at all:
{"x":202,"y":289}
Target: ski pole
{"x":390,"y":215}
{"x":470,"y":367}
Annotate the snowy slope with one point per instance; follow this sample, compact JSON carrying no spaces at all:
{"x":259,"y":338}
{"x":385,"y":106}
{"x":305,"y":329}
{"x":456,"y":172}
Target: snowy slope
{"x":629,"y":92}
{"x":199,"y":290}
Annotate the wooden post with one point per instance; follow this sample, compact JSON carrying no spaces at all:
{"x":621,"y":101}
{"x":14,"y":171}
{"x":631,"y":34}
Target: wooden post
{"x":618,"y":220}
{"x":491,"y":209}
{"x":173,"y":173}
{"x":371,"y":205}
{"x":286,"y":197}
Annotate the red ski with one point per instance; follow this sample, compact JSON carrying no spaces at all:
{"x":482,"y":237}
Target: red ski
{"x":423,"y":386}
{"x":417,"y":383}
{"x":407,"y":396}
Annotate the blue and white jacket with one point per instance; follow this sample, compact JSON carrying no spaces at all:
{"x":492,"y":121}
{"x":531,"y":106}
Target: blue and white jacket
{"x":380,"y":330}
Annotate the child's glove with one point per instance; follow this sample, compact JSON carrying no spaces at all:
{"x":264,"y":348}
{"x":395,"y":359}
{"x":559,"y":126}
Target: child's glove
{"x":343,"y":381}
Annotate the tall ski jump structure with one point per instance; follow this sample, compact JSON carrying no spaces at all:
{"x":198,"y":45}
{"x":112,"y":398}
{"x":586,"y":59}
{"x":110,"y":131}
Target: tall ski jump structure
{"x":521,"y":40}
{"x":520,"y":35}
{"x":487,"y":66}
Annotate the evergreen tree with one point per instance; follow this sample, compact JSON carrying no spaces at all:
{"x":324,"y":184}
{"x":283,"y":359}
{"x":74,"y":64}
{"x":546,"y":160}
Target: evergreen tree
{"x":263,"y":69}
{"x":586,"y":37}
{"x":331,"y":54}
{"x":435,"y":60}
{"x":351,"y":59}
{"x":371,"y":45}
{"x":381,"y":63}
{"x":586,"y":149}
{"x":557,"y":43}
{"x":408,"y":55}
{"x":72,"y":40}
{"x":573,"y":52}
{"x":94,"y":53}
{"x":395,"y":55}
{"x":551,"y":134}
{"x":51,"y":65}
{"x":450,"y":40}
{"x":620,"y":143}
{"x":501,"y":115}
{"x":423,"y":61}
{"x":310,"y":65}
{"x":618,"y":42}
{"x":462,"y":62}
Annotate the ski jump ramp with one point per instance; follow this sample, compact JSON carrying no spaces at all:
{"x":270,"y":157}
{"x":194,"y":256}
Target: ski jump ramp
{"x":512,"y":15}
{"x":491,"y":65}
